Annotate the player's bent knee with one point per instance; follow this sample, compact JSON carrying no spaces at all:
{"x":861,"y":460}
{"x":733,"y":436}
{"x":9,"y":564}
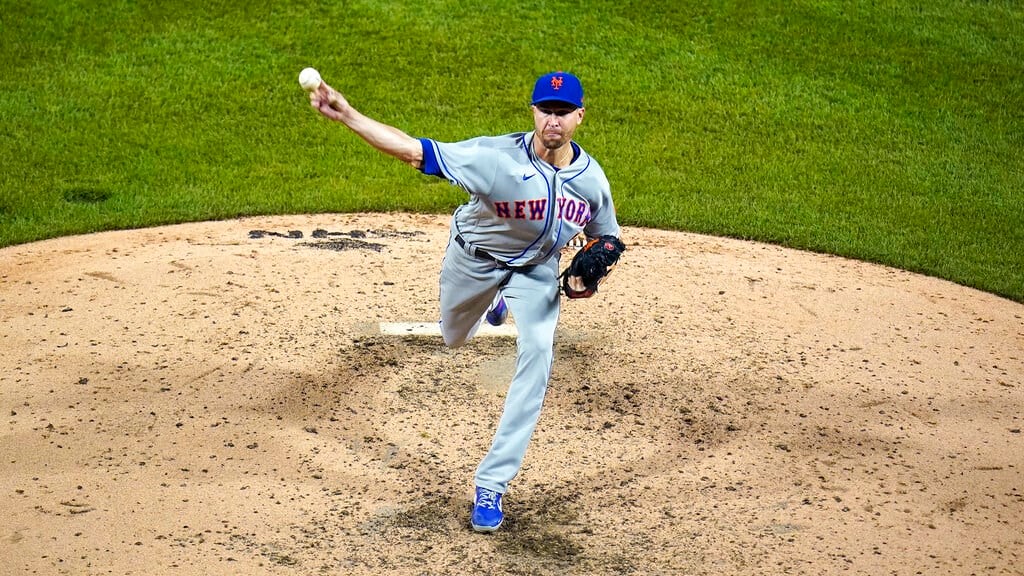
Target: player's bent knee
{"x":455,"y":338}
{"x":454,"y":341}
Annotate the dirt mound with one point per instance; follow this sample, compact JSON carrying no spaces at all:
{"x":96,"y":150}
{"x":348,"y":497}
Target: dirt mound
{"x":217,"y":398}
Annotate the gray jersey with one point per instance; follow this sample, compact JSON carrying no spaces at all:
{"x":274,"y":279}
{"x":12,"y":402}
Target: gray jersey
{"x":522,"y":210}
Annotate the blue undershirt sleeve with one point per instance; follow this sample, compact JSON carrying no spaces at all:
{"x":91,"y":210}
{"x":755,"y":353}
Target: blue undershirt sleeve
{"x":430,"y":166}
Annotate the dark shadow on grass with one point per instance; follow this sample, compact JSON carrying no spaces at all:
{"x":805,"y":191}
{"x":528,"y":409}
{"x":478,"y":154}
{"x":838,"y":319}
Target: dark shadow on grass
{"x":86,"y":195}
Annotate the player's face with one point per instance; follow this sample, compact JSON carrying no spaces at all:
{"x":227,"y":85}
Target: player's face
{"x":556,"y":123}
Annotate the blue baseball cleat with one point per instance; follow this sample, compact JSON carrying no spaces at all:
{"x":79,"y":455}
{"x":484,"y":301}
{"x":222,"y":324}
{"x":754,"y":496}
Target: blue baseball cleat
{"x":498,"y":313}
{"x":487,"y":515}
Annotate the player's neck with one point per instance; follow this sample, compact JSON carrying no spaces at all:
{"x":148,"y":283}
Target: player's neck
{"x":559,"y":157}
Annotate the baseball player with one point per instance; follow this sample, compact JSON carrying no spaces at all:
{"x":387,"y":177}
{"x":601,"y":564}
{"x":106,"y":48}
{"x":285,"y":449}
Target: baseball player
{"x":529,"y":194}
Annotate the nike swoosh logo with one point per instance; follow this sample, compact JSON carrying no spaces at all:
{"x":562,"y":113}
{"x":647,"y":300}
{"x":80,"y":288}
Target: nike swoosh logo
{"x":528,"y":176}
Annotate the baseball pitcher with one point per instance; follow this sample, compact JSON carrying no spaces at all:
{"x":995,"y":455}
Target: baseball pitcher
{"x":529,"y":194}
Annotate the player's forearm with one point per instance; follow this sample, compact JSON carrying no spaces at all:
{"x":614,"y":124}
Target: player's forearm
{"x":387,"y":139}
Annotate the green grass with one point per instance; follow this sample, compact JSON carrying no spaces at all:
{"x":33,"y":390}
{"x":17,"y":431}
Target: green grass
{"x":880,"y":130}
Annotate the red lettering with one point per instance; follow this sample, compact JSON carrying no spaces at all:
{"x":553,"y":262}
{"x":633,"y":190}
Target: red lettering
{"x":570,"y":210}
{"x":581,"y":212}
{"x":538,"y":208}
{"x":520,"y":209}
{"x":501,"y":208}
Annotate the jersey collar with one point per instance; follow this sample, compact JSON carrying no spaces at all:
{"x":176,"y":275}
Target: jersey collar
{"x":574,"y":166}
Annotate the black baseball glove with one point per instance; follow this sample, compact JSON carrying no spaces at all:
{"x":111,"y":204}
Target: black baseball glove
{"x":590,"y":266}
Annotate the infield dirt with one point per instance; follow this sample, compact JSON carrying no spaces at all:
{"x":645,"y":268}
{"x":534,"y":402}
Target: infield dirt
{"x":216,"y":398}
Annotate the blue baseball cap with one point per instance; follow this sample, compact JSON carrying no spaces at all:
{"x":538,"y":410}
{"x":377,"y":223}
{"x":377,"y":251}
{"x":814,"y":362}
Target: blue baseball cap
{"x":558,"y":87}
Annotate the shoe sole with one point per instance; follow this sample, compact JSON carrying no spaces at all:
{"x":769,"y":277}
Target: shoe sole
{"x":486,"y":529}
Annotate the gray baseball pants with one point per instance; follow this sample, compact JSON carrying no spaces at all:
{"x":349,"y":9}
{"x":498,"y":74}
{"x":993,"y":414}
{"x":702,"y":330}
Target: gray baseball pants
{"x":469,"y":285}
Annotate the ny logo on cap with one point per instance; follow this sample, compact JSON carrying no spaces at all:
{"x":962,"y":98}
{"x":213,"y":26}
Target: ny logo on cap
{"x":556,"y":82}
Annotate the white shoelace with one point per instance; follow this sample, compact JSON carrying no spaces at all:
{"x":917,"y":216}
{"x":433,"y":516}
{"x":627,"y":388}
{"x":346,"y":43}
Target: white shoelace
{"x":488,"y":499}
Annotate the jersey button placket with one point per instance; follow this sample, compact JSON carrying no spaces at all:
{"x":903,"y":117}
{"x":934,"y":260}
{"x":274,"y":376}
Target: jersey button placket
{"x":556,"y":231}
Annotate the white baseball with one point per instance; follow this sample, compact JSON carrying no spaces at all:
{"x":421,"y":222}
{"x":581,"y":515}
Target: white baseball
{"x":309,"y":79}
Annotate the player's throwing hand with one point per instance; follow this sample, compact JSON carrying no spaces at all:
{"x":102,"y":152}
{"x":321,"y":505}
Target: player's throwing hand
{"x":329,"y":102}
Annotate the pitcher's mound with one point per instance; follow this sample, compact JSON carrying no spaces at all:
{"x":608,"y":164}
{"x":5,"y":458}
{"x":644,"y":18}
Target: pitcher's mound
{"x":219,"y":398}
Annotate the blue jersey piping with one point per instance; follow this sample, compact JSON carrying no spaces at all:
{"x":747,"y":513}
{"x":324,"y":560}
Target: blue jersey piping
{"x":559,"y":235}
{"x":551,"y":207}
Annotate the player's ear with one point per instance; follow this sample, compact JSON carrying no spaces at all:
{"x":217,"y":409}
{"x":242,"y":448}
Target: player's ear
{"x":580,"y":112}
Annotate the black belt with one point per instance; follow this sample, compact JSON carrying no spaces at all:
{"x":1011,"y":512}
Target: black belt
{"x":479,"y":253}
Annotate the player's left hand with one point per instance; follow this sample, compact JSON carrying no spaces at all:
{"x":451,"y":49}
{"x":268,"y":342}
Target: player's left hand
{"x":590,"y":266}
{"x":575,"y":283}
